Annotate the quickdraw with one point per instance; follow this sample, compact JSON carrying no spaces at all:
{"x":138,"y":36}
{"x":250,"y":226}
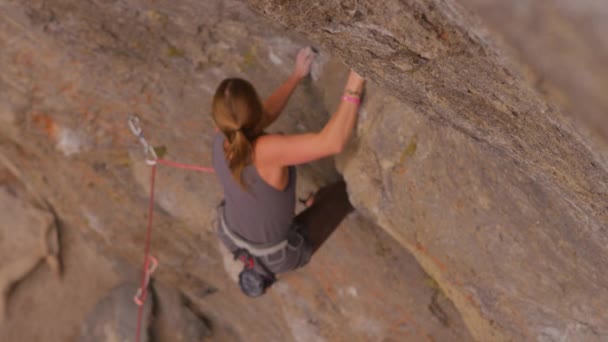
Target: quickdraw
{"x":149,"y":152}
{"x":151,"y":263}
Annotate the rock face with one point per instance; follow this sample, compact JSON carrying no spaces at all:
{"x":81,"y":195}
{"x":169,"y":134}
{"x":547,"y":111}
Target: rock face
{"x":565,"y":46}
{"x":72,"y":71}
{"x":493,"y":197}
{"x":165,"y":317}
{"x":488,"y":184}
{"x":174,"y":320}
{"x":28,"y":237}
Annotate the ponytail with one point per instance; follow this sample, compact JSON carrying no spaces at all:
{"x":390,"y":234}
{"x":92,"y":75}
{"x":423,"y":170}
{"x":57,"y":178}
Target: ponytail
{"x":240,"y":153}
{"x":238,"y":113}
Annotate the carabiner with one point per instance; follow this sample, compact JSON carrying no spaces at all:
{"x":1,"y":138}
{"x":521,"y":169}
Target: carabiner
{"x":136,"y":129}
{"x":134,"y":125}
{"x":151,"y":157}
{"x":142,"y":292}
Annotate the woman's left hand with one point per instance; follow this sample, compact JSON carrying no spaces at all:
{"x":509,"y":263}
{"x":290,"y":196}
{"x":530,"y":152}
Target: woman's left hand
{"x":303,"y":62}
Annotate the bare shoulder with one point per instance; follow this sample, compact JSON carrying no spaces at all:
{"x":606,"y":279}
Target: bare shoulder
{"x":290,"y":149}
{"x":265,"y":142}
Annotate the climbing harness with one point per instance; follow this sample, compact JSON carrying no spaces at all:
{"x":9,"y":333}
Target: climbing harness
{"x":255,"y":277}
{"x":258,"y":251}
{"x":150,"y":262}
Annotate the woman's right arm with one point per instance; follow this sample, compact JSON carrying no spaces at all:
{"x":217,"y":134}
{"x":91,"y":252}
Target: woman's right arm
{"x":284,"y":150}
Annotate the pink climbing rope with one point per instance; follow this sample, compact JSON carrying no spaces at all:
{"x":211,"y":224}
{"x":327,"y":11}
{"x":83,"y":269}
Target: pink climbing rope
{"x":185,"y":166}
{"x":150,"y":262}
{"x":145,"y":277}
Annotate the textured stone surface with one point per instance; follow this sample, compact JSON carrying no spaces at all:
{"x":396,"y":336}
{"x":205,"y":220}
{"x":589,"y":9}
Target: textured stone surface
{"x":112,"y":319}
{"x":73,"y":70}
{"x":173,"y":319}
{"x":470,"y":166}
{"x":485,"y":164}
{"x":28,"y":237}
{"x":39,"y":288}
{"x":565,"y":45}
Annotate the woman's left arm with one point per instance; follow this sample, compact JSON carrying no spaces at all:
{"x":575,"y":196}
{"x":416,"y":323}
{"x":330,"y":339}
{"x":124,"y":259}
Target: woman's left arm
{"x":275,"y":103}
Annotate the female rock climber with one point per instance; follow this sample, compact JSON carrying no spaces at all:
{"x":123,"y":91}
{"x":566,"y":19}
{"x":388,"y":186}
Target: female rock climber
{"x":256,"y":219}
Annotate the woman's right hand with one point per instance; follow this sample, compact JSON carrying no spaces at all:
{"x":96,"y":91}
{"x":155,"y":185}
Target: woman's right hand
{"x":354,"y":84}
{"x":275,"y":150}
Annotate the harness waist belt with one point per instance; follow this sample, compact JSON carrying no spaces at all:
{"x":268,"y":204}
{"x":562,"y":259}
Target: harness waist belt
{"x":239,"y":242}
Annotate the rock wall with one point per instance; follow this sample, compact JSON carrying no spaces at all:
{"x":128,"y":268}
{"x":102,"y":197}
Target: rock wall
{"x":563,"y":44}
{"x":72,"y":71}
{"x":480,"y":161}
{"x":498,"y":192}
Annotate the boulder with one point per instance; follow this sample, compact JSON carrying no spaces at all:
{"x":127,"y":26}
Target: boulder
{"x":174,"y":319}
{"x":114,"y":317}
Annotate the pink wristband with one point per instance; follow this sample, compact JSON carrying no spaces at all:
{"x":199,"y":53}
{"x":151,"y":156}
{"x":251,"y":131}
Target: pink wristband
{"x":351,"y":99}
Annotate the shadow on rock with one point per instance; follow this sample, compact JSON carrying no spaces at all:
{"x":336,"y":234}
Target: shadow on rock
{"x":329,"y":209}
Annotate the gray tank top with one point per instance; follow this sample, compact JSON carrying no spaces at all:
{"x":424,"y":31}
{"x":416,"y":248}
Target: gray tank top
{"x":261,"y":214}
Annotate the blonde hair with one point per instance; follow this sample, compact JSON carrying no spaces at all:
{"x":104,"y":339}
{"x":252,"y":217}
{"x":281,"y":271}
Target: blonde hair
{"x":238,"y":113}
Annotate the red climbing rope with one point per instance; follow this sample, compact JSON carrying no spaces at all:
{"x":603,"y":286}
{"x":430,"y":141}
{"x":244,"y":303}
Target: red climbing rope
{"x":150,"y":262}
